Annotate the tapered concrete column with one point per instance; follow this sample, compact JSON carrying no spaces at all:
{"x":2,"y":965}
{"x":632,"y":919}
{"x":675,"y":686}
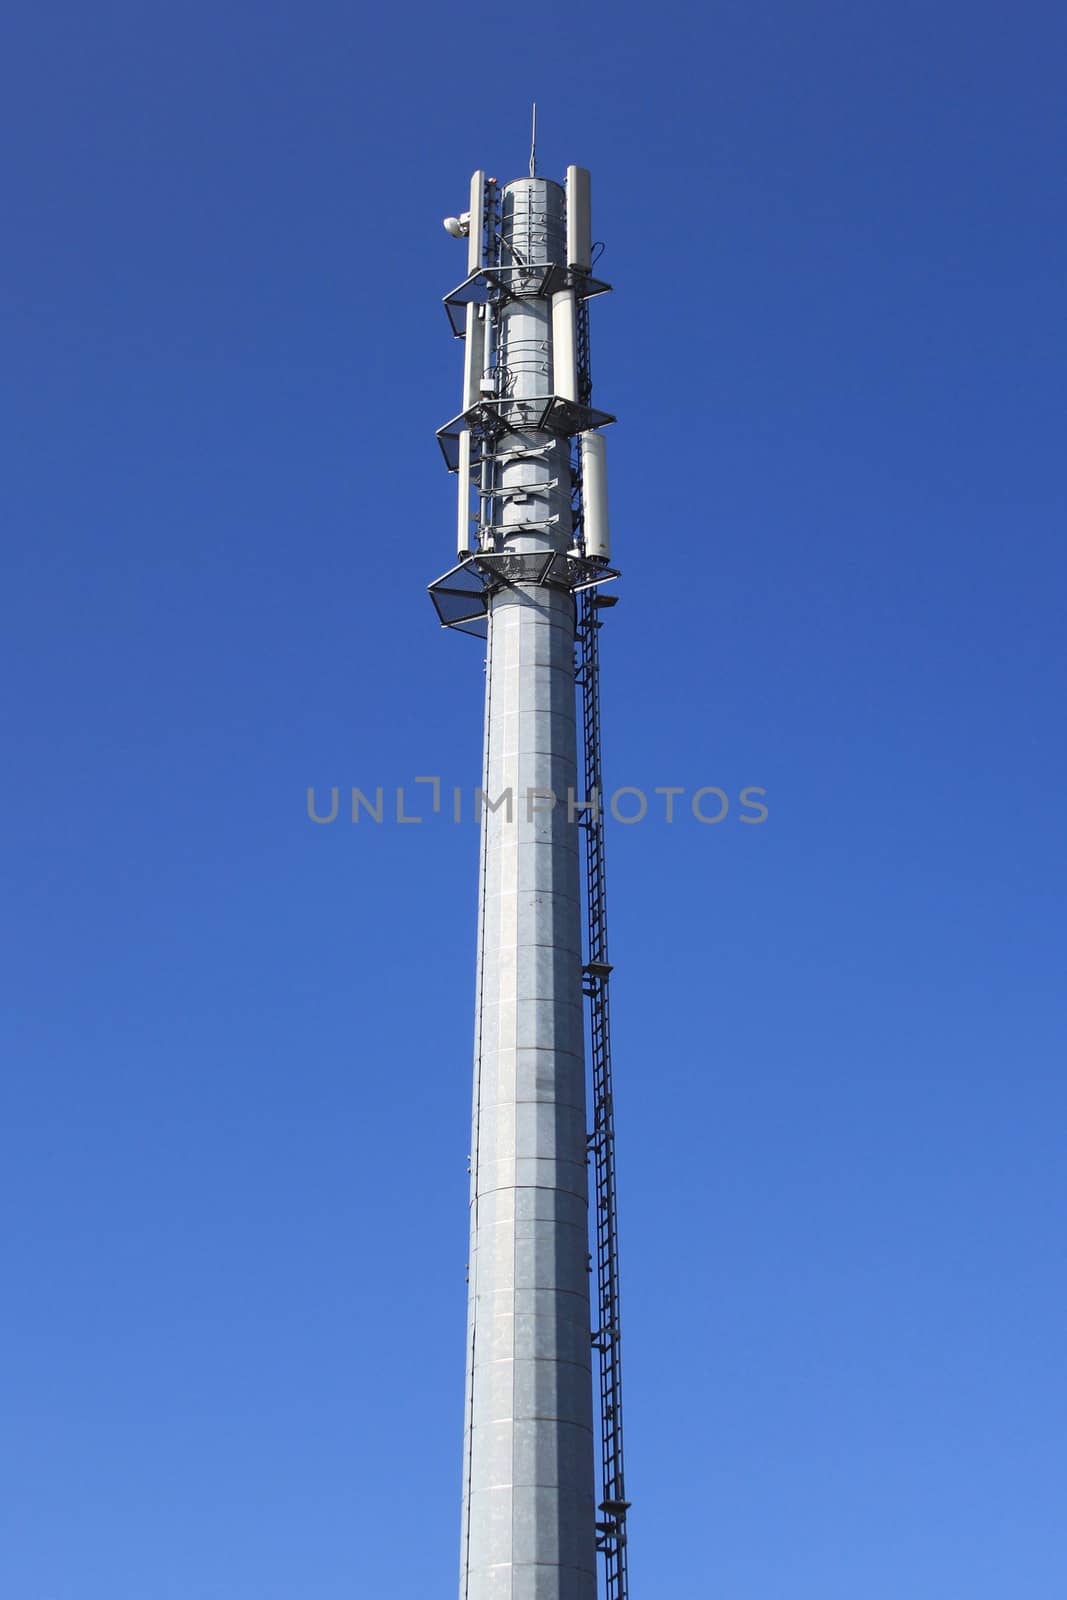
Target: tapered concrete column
{"x":528,"y":1509}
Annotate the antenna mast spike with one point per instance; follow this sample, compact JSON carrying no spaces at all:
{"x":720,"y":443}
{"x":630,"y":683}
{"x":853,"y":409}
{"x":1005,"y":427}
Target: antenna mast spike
{"x":533,"y":142}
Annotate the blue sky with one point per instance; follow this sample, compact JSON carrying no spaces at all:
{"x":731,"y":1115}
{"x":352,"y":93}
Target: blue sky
{"x":237,"y":1046}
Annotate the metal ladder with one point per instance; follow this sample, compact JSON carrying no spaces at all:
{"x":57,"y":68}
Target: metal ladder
{"x":611,"y":1526}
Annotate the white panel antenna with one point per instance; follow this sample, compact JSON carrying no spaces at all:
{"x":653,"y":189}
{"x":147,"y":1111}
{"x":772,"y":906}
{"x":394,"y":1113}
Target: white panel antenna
{"x":463,"y":510}
{"x":473,"y":355}
{"x":579,"y":220}
{"x":475,"y":225}
{"x":595,"y":496}
{"x":564,"y":345}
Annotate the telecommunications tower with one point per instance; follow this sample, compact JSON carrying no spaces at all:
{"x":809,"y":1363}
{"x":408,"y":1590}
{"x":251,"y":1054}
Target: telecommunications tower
{"x":532,"y":556}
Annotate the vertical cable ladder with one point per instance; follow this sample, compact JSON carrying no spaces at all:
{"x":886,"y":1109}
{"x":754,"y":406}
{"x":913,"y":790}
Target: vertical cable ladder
{"x":611,"y":1525}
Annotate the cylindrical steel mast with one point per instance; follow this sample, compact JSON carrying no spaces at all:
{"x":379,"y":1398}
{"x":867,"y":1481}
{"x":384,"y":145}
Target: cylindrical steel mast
{"x":528,"y":1516}
{"x":529,"y":1529}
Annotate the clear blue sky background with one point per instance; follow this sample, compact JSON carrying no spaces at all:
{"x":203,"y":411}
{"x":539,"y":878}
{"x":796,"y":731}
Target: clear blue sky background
{"x":237,"y":1046}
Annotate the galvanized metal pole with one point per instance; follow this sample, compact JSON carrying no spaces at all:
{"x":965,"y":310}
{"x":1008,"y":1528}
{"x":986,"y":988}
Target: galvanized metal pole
{"x":529,"y":1501}
{"x":530,"y":1529}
